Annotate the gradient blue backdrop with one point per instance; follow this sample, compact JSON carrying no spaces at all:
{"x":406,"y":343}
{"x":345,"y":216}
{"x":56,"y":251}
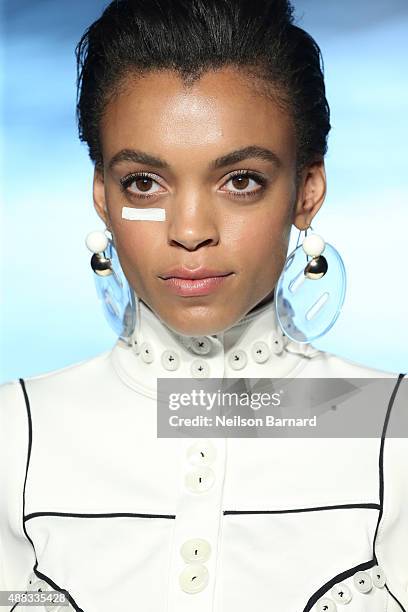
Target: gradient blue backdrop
{"x":50,"y":316}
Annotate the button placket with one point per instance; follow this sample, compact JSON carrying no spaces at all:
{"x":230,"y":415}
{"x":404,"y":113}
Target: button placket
{"x":197,"y":525}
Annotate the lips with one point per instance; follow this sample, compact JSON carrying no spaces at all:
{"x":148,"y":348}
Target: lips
{"x":187,"y":287}
{"x":195,"y":274}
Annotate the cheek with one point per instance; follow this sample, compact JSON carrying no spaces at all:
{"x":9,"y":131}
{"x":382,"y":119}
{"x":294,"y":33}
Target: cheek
{"x":260,"y":241}
{"x":138,"y":243}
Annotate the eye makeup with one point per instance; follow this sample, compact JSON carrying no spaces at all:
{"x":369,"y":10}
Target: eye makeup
{"x":261,"y":181}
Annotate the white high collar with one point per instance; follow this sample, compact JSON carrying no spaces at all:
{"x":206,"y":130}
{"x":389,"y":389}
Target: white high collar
{"x":253,"y":347}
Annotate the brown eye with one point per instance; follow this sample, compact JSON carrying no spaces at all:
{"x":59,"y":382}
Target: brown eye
{"x":140,"y":185}
{"x":246,"y":183}
{"x":144,"y":183}
{"x":240,"y":182}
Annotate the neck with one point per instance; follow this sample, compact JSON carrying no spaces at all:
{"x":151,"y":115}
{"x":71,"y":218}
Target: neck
{"x":253,"y":347}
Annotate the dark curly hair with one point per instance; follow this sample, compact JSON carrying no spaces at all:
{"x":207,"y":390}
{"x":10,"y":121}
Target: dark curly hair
{"x":192,"y":36}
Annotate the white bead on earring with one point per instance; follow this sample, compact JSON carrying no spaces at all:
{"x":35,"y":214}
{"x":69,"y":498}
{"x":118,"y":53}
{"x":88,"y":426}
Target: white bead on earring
{"x":116,"y":295}
{"x":314,"y":245}
{"x":97,"y":243}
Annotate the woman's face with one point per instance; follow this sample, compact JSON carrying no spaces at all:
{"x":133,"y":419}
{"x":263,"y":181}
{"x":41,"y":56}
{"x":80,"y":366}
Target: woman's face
{"x":225,"y":175}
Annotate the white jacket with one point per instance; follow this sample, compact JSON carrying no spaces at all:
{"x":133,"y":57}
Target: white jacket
{"x":92,"y":502}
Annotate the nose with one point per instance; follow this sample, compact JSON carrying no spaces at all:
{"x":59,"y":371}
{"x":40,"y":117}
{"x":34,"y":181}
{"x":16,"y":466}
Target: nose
{"x":192,"y":221}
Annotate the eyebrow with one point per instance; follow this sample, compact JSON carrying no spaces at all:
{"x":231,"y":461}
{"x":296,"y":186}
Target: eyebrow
{"x":233,"y":157}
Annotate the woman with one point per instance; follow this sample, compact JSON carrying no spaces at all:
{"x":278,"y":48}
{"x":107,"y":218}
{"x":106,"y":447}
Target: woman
{"x":207,"y":124}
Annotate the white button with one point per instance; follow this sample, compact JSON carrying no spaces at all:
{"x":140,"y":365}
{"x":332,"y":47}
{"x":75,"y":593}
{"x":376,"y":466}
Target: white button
{"x":32,"y":578}
{"x":136,"y":346}
{"x":195,"y":550}
{"x":200,"y":480}
{"x":260,"y":351}
{"x":201,"y":453}
{"x":199,"y":368}
{"x":194,"y":578}
{"x":146,"y":351}
{"x":54,"y":608}
{"x":170,"y":360}
{"x":201,"y":345}
{"x":363,"y":582}
{"x":237,"y":359}
{"x":276,"y":342}
{"x":37,"y":584}
{"x":341,"y":593}
{"x":379,"y":579}
{"x":326,"y":605}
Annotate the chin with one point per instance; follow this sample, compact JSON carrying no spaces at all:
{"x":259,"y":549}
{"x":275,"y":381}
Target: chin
{"x":203,"y":324}
{"x":195,"y":330}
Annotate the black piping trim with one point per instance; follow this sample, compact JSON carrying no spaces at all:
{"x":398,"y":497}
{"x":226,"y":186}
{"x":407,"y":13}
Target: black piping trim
{"x":317,"y":509}
{"x":381,"y":474}
{"x":381,"y":459}
{"x":35,"y":570}
{"x":108,"y":515}
{"x":395,"y":599}
{"x":346,"y":574}
{"x":366,"y":565}
{"x":314,"y":598}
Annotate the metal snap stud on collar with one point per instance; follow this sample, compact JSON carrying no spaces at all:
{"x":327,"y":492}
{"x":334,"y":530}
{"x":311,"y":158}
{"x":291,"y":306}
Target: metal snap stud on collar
{"x":200,"y":369}
{"x":170,"y":360}
{"x":146,"y":351}
{"x":201,"y":345}
{"x":260,"y":351}
{"x":276,"y":341}
{"x":237,"y":359}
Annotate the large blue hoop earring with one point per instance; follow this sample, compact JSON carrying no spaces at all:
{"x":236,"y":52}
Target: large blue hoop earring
{"x":311,"y":289}
{"x":117,"y":298}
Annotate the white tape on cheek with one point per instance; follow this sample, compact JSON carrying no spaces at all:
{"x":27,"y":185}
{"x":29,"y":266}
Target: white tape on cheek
{"x":143,"y":214}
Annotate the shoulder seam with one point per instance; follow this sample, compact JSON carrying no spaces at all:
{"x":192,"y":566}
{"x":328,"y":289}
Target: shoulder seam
{"x":100,"y":356}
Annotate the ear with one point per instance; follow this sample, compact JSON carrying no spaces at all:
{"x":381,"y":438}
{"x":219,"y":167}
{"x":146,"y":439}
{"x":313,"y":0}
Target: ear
{"x":311,"y":194}
{"x":99,"y":196}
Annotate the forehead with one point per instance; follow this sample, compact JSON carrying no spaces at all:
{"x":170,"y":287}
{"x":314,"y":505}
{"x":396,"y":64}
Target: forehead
{"x":223,"y":108}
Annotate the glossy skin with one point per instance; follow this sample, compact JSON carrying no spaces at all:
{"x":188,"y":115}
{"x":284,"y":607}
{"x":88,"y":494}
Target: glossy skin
{"x":206,"y":222}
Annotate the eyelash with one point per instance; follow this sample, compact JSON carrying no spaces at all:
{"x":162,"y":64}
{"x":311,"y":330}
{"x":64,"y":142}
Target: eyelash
{"x":127,"y":180}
